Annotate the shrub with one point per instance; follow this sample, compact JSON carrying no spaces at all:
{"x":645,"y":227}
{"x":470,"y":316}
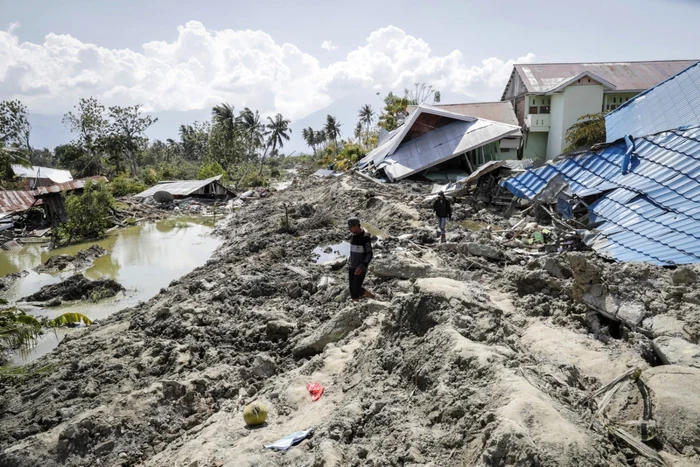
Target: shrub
{"x":89,"y":214}
{"x":124,"y":185}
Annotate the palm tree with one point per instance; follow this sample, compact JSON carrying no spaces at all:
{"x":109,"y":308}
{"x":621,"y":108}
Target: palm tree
{"x":321,"y":137}
{"x":366,"y":116}
{"x":332,"y":129}
{"x":309,"y":136}
{"x":224,"y":116}
{"x":358,"y":131}
{"x":278,"y":131}
{"x":253,"y":129}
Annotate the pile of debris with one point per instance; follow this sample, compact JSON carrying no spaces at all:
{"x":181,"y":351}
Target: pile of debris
{"x":536,"y":358}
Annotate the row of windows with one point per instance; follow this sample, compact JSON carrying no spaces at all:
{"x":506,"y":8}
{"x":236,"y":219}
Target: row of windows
{"x":541,"y":110}
{"x":534,"y":101}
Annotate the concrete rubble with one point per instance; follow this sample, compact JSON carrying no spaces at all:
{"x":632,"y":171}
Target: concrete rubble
{"x":488,"y":350}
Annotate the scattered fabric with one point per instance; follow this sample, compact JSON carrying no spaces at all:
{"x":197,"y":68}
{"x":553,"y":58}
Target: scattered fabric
{"x":315,"y":389}
{"x":288,"y":441}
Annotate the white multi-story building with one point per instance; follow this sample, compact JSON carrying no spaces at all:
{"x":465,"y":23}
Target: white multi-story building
{"x":549,"y":98}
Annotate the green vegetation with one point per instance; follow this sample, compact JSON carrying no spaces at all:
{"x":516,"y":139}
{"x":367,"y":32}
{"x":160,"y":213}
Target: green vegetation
{"x":124,"y":185}
{"x":587,"y":131}
{"x":19,"y":330}
{"x":88,"y":214}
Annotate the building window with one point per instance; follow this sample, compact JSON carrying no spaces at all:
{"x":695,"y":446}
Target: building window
{"x":589,"y":80}
{"x":544,"y":109}
{"x":614,"y":100}
{"x":505,"y":149}
{"x":533,"y":110}
{"x":542,"y":101}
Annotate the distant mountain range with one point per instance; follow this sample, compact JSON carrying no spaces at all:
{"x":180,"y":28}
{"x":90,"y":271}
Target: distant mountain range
{"x":48,"y":131}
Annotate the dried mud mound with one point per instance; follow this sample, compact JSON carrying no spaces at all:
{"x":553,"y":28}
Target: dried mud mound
{"x":473,"y":354}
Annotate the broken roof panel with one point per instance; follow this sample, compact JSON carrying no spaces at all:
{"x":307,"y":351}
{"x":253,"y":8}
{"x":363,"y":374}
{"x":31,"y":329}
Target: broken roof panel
{"x":672,"y":104}
{"x":15,"y":201}
{"x":624,"y":76}
{"x":68,"y":186}
{"x":442,"y":144}
{"x":651,"y":213}
{"x":397,"y":136}
{"x":55,"y":175}
{"x":179,"y":188}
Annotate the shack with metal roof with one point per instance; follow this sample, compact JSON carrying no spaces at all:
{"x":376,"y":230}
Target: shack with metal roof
{"x":208,"y":188}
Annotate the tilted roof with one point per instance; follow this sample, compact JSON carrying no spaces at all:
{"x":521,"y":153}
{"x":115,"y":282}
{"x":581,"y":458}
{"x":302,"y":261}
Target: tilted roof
{"x":649,"y":213}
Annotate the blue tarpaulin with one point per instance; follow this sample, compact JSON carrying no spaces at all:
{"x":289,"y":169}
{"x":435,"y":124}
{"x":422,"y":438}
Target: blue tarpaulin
{"x":649,"y":213}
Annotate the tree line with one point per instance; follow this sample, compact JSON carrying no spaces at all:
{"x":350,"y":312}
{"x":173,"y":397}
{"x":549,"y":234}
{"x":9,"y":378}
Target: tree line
{"x":112,"y":141}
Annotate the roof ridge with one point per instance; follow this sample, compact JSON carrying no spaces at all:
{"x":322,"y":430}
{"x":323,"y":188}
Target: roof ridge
{"x":607,"y":62}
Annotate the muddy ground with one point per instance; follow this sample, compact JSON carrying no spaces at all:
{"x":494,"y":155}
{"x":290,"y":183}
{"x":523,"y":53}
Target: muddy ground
{"x":476,"y":352}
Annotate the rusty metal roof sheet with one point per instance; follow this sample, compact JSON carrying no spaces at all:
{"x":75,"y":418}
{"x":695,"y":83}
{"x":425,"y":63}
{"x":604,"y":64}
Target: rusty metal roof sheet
{"x":15,"y":201}
{"x":68,"y":186}
{"x":625,"y":76}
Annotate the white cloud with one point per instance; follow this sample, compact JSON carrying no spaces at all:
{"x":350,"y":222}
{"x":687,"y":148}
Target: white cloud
{"x":246,"y":68}
{"x":328,"y":45}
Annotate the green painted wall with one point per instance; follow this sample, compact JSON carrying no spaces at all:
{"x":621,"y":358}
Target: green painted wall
{"x":536,"y":146}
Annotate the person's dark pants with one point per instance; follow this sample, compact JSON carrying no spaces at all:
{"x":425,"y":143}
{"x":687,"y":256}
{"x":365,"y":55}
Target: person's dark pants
{"x":356,"y":290}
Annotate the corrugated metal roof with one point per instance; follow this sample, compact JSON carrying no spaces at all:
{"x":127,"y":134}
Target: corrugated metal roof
{"x":442,"y":144}
{"x":672,"y":104}
{"x":395,"y":138}
{"x":625,"y":76}
{"x":652,"y":212}
{"x":55,"y":175}
{"x":180,"y":188}
{"x":68,"y":186}
{"x":15,"y":201}
{"x":501,"y":111}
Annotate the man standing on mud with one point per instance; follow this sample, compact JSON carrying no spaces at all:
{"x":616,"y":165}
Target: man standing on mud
{"x":443,"y":210}
{"x":359,"y":259}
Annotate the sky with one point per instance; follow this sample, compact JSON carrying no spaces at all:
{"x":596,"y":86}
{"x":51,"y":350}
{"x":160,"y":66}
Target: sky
{"x":298,"y":57}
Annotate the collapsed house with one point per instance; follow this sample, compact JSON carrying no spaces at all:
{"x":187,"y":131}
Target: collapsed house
{"x":211,"y":188}
{"x":36,"y":176}
{"x":441,"y":137}
{"x":640,"y":190}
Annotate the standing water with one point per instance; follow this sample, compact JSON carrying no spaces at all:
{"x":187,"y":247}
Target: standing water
{"x":143,"y":259}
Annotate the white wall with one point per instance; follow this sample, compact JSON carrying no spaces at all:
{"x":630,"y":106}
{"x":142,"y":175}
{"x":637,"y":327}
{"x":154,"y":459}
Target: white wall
{"x":567,"y":107}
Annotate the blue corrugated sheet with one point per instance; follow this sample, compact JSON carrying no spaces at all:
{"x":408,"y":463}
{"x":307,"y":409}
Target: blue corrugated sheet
{"x":672,"y":104}
{"x":652,"y":212}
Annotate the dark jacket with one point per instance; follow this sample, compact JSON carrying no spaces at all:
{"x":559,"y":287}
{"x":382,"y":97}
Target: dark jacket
{"x":360,"y":250}
{"x":442,"y":208}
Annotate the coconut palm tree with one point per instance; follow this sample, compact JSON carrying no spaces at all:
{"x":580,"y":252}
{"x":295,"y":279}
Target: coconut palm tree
{"x":358,"y":131}
{"x":278,"y":131}
{"x":321,"y":137}
{"x":332,"y":129}
{"x":366,"y":116}
{"x":224,"y":116}
{"x":309,"y":136}
{"x":253,"y":129}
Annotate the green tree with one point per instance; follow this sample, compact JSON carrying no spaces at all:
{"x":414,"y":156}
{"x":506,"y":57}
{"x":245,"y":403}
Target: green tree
{"x":309,"y":136}
{"x":194,"y":141}
{"x":253,"y":131}
{"x":89,"y":126}
{"x":88,"y":214}
{"x":278,"y":131}
{"x":209,"y":170}
{"x":15,"y":131}
{"x":224,"y":116}
{"x":587,"y":131}
{"x":394,"y":112}
{"x":332,"y":130}
{"x":126,"y":132}
{"x":366,"y":115}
